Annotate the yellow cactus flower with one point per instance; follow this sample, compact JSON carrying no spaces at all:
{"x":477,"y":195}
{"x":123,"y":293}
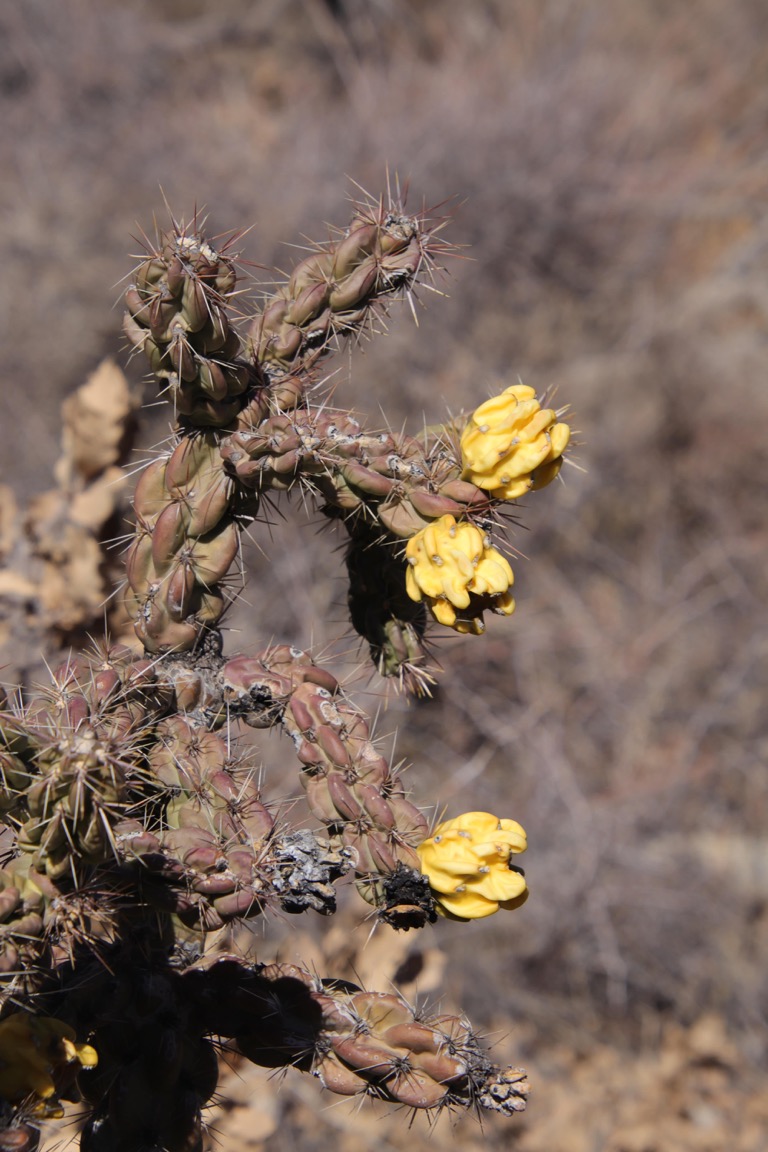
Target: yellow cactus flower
{"x":452,"y":566}
{"x":511,"y":444}
{"x":32,"y":1050}
{"x":466,"y":861}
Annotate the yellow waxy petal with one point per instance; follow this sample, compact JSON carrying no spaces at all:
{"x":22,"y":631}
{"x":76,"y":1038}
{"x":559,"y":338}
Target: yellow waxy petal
{"x":467,"y":906}
{"x":443,"y":613}
{"x":517,"y":902}
{"x":87,"y":1056}
{"x":546,"y":474}
{"x":559,"y":437}
{"x":514,"y":405}
{"x":32,"y":1048}
{"x":493,"y":574}
{"x":448,"y":563}
{"x":507,"y":439}
{"x":500,"y":885}
{"x":471,"y":625}
{"x":515,"y":489}
{"x":467,"y":863}
{"x":411,"y":586}
{"x":504,"y":605}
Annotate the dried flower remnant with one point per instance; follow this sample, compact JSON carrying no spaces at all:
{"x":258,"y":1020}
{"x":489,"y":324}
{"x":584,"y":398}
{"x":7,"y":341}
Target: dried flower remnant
{"x":512,"y":445}
{"x":467,"y":862}
{"x":453,"y":566}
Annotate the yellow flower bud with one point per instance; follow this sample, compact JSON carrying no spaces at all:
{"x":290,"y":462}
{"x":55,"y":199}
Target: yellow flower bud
{"x":511,"y":444}
{"x":452,"y":566}
{"x":32,"y":1050}
{"x":466,"y":861}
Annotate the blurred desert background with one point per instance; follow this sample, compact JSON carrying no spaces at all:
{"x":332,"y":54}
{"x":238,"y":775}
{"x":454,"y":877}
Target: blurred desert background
{"x":606,"y":165}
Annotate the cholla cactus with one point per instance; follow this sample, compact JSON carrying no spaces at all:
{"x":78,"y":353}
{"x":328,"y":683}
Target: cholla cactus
{"x":139,"y":840}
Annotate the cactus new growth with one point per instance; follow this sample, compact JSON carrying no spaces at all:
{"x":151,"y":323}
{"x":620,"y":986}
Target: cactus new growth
{"x":137,"y":839}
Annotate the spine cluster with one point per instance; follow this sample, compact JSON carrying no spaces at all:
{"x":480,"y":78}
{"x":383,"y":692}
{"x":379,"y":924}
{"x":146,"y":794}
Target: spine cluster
{"x":138,"y":836}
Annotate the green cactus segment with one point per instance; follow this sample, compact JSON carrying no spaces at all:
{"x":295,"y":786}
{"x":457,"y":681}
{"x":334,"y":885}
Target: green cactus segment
{"x":258,"y":688}
{"x":151,"y":1027}
{"x":177,"y":317}
{"x":177,"y":800}
{"x":156,"y":1068}
{"x":24,"y":949}
{"x":217,"y":857}
{"x":334,"y":291}
{"x":187,"y":539}
{"x":381,"y":611}
{"x":356,"y":1043}
{"x":349,"y":786}
{"x":15,"y":778}
{"x":205,"y":882}
{"x":82,"y":790}
{"x":216,"y":831}
{"x":385,"y":489}
{"x":79,"y":763}
{"x":111,"y":800}
{"x":177,"y":311}
{"x":77,"y":766}
{"x":398,"y":482}
{"x":190,"y":503}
